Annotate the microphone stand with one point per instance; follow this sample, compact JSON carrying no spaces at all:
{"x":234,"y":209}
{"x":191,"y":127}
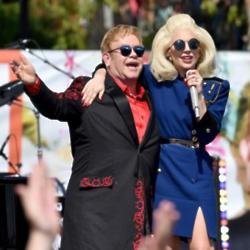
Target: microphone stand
{"x":18,"y":165}
{"x":49,"y":63}
{"x":37,"y":116}
{"x":39,"y":144}
{"x":22,"y":44}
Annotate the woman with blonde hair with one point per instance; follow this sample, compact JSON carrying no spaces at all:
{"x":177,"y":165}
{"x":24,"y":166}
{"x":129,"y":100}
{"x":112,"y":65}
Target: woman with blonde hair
{"x":189,"y":102}
{"x":165,"y":69}
{"x":183,"y":55}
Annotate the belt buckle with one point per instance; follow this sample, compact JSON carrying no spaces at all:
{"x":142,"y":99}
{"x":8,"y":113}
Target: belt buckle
{"x":195,"y":145}
{"x":195,"y":142}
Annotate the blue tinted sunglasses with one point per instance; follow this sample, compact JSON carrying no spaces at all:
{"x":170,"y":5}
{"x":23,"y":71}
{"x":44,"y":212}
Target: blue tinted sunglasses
{"x":126,"y":50}
{"x":180,"y":45}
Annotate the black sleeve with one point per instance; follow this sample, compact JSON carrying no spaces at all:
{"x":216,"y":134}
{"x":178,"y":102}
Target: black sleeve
{"x":207,"y":121}
{"x":60,"y":106}
{"x":99,"y":66}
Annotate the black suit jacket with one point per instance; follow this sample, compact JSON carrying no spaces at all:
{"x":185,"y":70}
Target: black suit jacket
{"x":107,"y":203}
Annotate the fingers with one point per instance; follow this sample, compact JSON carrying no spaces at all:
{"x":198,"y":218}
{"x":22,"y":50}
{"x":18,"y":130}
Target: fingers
{"x":24,"y":59}
{"x":16,"y":64}
{"x":52,"y":214}
{"x":168,"y":208}
{"x":165,"y":216}
{"x":148,"y":243}
{"x":23,"y":70}
{"x":21,"y":190}
{"x":100,"y":96}
{"x":41,"y":213}
{"x":88,"y":97}
{"x":90,"y":92}
{"x":193,"y":78}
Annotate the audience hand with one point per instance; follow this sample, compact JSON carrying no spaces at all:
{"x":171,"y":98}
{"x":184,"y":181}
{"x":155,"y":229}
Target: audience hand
{"x":39,"y":202}
{"x":165,"y":217}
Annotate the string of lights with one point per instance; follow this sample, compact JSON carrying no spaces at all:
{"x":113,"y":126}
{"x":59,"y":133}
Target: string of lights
{"x":223,"y":204}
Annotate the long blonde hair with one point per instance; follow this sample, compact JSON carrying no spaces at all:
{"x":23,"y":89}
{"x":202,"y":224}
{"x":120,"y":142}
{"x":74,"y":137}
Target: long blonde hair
{"x":161,"y":67}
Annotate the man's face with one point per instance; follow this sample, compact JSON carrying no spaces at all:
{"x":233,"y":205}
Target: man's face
{"x":124,"y":60}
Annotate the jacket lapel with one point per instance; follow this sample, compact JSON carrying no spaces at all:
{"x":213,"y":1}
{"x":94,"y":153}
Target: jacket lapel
{"x":122,"y":105}
{"x":151,"y":122}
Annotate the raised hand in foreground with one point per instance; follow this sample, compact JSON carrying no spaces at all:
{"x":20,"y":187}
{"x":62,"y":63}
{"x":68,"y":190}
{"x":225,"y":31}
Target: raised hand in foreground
{"x":39,"y":202}
{"x":165,"y":217}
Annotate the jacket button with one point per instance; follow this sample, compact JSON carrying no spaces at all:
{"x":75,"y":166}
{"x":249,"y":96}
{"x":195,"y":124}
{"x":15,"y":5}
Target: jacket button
{"x":193,"y":180}
{"x":208,"y":130}
{"x":194,"y":138}
{"x":194,"y":132}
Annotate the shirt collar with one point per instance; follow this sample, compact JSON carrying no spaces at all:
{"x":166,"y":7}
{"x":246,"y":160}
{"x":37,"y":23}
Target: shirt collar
{"x":140,"y":91}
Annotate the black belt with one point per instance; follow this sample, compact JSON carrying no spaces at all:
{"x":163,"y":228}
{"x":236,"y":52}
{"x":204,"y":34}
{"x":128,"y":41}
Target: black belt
{"x":187,"y":143}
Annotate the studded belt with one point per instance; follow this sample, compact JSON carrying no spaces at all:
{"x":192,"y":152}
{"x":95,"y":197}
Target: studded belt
{"x":187,"y":143}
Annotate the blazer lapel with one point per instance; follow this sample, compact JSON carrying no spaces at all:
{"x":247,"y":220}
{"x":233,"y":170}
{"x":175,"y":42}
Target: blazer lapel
{"x":150,"y":124}
{"x":122,"y":105}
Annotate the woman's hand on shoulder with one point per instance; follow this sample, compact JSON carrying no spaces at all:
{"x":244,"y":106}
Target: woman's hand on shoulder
{"x":93,"y":88}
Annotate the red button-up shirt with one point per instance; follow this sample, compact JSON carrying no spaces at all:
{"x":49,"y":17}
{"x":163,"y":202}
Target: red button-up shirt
{"x":139,"y":107}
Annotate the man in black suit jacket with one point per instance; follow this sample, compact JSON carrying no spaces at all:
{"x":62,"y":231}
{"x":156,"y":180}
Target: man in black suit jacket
{"x":114,"y":145}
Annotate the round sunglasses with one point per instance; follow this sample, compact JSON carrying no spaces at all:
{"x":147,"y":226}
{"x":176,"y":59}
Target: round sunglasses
{"x":180,"y":44}
{"x":126,"y":50}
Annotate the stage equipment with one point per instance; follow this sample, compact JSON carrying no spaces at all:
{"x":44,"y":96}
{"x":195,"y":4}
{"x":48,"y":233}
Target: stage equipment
{"x":10,"y":91}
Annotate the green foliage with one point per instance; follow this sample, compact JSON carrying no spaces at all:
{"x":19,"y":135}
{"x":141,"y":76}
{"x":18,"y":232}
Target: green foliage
{"x":88,"y":8}
{"x":113,"y":4}
{"x":54,"y":24}
{"x":236,"y":16}
{"x":66,"y":23}
{"x":57,"y":25}
{"x":9,"y":23}
{"x":78,"y":24}
{"x":209,"y":7}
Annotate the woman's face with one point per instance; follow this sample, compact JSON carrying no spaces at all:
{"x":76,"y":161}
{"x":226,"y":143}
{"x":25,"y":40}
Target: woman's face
{"x":184,"y":51}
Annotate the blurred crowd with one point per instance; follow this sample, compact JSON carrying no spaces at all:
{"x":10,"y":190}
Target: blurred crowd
{"x":226,"y":20}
